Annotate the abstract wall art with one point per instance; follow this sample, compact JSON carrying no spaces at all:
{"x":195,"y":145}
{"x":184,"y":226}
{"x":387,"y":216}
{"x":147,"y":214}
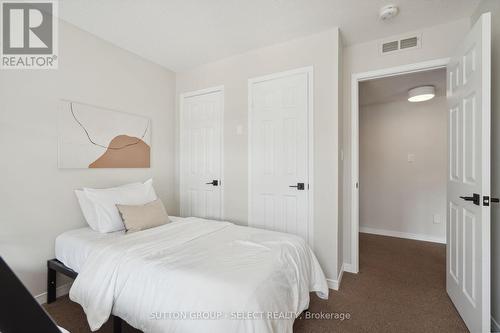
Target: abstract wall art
{"x":95,"y":137}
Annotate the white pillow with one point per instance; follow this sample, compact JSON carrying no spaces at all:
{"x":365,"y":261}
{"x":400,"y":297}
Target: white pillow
{"x":87,"y":206}
{"x":105,"y":201}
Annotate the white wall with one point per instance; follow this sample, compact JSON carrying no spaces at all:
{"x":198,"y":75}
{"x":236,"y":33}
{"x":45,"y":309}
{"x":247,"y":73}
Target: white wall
{"x":340,"y":213}
{"x":36,"y":198}
{"x":493,"y":6}
{"x":396,"y":195}
{"x":437,"y":42}
{"x":319,"y":50}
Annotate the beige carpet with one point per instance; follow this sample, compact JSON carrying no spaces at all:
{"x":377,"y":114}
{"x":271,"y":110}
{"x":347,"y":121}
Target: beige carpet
{"x":400,"y":288}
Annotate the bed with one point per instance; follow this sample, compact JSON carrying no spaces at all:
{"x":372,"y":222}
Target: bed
{"x":191,"y":275}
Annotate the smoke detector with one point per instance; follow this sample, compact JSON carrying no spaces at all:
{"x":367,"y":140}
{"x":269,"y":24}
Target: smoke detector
{"x":388,"y":12}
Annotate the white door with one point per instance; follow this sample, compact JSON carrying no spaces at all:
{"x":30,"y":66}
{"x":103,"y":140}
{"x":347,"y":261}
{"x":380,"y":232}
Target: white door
{"x":468,"y":221}
{"x":279,"y":152}
{"x":201,"y":154}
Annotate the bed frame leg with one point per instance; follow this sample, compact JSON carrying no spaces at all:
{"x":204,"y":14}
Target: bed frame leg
{"x":51,"y":284}
{"x":117,"y":324}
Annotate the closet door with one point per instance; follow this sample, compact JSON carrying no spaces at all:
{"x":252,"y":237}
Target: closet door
{"x":279,"y":152}
{"x":201,"y":153}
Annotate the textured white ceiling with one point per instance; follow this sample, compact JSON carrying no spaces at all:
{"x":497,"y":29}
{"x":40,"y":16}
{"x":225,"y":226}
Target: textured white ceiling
{"x":395,"y":88}
{"x":181,"y":34}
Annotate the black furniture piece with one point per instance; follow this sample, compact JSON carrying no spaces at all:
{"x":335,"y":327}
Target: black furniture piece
{"x":54,"y":266}
{"x":19,"y":311}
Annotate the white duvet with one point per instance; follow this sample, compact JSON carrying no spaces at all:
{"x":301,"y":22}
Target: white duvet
{"x":197,"y":275}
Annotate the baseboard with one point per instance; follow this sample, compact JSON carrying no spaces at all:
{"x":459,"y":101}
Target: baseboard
{"x":348,"y":268}
{"x":60,"y":291}
{"x":335,"y":284}
{"x":494,"y":325}
{"x":407,"y":235}
{"x":332,"y":284}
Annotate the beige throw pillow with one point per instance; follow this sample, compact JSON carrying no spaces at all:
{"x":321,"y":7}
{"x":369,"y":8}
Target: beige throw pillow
{"x":140,"y":217}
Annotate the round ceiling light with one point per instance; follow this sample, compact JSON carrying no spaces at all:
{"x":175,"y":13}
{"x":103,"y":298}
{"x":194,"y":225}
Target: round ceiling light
{"x":388,"y":12}
{"x":421,"y":94}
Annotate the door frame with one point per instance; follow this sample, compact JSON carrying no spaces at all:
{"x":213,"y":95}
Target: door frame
{"x":309,"y":70}
{"x":354,"y":167}
{"x":182,"y":96}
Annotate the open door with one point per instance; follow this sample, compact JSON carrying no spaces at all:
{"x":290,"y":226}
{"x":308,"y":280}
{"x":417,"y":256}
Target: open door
{"x":468,"y":218}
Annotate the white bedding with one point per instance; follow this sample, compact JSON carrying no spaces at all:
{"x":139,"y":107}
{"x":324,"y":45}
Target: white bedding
{"x":73,"y":247}
{"x":170,"y":278}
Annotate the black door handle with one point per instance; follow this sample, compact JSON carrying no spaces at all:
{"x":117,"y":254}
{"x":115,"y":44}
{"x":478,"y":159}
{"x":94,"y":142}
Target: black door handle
{"x":487,"y":200}
{"x":299,"y":186}
{"x":476,"y":198}
{"x":214,"y":182}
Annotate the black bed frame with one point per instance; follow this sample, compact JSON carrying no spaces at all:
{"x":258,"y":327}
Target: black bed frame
{"x":54,"y":266}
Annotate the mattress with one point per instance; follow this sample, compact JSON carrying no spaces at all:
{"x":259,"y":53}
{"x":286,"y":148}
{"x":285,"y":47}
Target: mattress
{"x":74,"y":246}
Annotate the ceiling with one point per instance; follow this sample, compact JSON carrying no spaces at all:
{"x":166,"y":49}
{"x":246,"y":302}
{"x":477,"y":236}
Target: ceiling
{"x":395,"y":88}
{"x":181,"y":34}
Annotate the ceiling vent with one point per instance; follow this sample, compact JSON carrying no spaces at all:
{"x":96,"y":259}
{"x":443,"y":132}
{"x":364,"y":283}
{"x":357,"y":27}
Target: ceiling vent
{"x":393,"y":46}
{"x":408,"y":43}
{"x":390,"y":46}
